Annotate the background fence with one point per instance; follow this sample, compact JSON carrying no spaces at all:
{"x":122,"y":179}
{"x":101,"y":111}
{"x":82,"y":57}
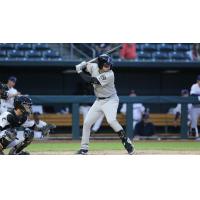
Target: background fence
{"x":77,"y":100}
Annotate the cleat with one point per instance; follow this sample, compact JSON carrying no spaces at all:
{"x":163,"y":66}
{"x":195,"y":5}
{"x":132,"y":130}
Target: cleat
{"x":82,"y":152}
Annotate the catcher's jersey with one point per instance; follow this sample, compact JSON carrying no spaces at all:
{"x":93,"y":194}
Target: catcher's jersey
{"x":106,"y":79}
{"x":10,"y":120}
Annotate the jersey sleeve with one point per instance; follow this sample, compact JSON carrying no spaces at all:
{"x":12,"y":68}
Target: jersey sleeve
{"x":105,"y":78}
{"x":90,"y":67}
{"x":192,"y":91}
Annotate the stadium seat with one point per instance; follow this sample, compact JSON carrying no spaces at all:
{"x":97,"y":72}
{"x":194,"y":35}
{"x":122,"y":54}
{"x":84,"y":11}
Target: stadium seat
{"x":165,"y":47}
{"x":7,"y":46}
{"x":15,"y":54}
{"x":148,"y":47}
{"x":41,"y":47}
{"x":33,"y":54}
{"x":144,"y":56}
{"x":139,"y":47}
{"x":160,"y":56}
{"x":3,"y":54}
{"x":24,"y":46}
{"x":182,"y":47}
{"x":51,"y":55}
{"x":178,"y":56}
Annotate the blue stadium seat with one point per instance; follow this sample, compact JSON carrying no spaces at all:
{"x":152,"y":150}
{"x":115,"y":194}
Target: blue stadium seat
{"x":148,"y":47}
{"x":164,"y":47}
{"x":182,"y":47}
{"x":24,"y":46}
{"x":15,"y":54}
{"x":177,"y":56}
{"x":41,"y":47}
{"x":139,"y":47}
{"x":3,"y":54}
{"x":144,"y":56}
{"x":34,"y":54}
{"x":161,"y":56}
{"x":51,"y":55}
{"x":7,"y":46}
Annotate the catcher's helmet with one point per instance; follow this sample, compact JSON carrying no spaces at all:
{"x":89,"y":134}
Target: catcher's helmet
{"x":23,"y":103}
{"x":104,"y":59}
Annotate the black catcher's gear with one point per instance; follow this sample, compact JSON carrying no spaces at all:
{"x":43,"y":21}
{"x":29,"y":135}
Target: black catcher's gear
{"x":17,"y":150}
{"x":126,"y":142}
{"x":104,"y":59}
{"x":46,"y":129}
{"x":23,"y":103}
{"x":8,"y":136}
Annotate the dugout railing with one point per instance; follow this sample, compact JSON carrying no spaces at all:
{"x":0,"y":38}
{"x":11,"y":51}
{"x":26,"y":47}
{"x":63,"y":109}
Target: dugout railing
{"x":77,"y":100}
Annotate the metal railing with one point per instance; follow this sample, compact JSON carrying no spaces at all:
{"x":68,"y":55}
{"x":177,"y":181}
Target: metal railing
{"x":77,"y":100}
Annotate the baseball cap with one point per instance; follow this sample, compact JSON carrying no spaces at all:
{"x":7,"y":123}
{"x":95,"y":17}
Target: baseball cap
{"x":12,"y":78}
{"x":198,"y":77}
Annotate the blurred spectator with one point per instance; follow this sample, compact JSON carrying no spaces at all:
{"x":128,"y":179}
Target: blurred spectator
{"x":101,"y":48}
{"x":177,"y":109}
{"x":144,"y":127}
{"x":196,"y":52}
{"x":128,"y":51}
{"x":138,"y":110}
{"x":12,"y":93}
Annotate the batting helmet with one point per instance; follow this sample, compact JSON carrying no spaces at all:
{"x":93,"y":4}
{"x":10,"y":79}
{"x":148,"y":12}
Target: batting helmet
{"x":23,"y":103}
{"x":104,"y":59}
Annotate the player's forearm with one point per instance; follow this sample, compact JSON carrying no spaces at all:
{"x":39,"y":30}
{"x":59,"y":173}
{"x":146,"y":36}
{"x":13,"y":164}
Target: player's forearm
{"x":88,"y":79}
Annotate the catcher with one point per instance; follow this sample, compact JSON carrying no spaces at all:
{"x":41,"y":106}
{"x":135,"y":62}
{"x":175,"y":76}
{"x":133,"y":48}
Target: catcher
{"x":14,"y":119}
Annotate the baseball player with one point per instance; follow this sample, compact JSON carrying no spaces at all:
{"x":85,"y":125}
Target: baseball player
{"x":107,"y":101}
{"x":12,"y":93}
{"x":195,"y":110}
{"x":138,"y":110}
{"x":177,"y":109}
{"x":41,"y":128}
{"x":12,"y":119}
{"x":3,"y":91}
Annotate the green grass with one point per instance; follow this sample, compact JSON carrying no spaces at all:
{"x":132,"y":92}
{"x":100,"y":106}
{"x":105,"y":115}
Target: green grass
{"x":116,"y":145}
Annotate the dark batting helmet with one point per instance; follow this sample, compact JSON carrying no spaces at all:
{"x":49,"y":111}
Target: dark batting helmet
{"x":23,"y":103}
{"x":104,"y":59}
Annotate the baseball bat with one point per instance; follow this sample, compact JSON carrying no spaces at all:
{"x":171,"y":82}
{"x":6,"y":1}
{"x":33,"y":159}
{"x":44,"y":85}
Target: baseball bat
{"x":107,"y":52}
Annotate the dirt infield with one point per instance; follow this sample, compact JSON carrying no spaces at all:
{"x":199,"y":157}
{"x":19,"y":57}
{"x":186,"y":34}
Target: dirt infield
{"x":119,"y":152}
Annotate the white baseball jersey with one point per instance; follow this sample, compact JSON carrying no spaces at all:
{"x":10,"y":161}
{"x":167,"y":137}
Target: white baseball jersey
{"x":106,"y":79}
{"x":138,"y":110}
{"x":5,"y":104}
{"x":178,"y":108}
{"x":195,"y":89}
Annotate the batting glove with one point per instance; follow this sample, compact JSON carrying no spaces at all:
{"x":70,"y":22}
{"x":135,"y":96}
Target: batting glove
{"x":81,"y":66}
